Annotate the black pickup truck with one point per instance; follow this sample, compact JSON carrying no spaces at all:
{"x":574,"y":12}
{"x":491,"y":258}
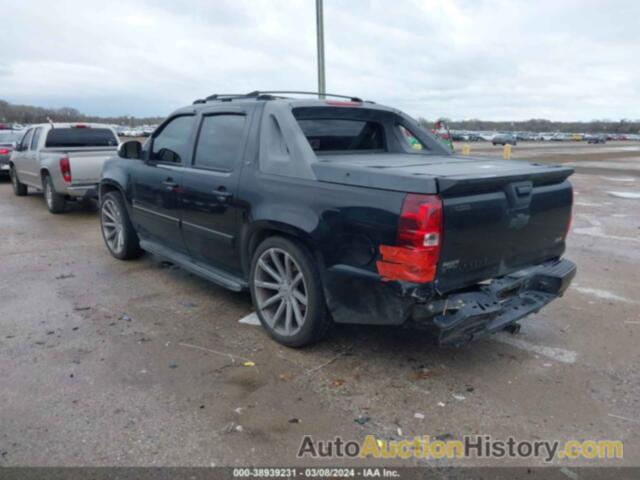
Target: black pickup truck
{"x":341,"y":210}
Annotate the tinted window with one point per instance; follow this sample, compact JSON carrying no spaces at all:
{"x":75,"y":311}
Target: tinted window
{"x":173,"y":142}
{"x":328,"y":134}
{"x":26,"y":140}
{"x":81,"y":137}
{"x":36,"y":137}
{"x":220,"y":141}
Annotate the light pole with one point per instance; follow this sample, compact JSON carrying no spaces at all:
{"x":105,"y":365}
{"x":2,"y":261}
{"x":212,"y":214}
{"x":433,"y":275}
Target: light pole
{"x":320,"y":34}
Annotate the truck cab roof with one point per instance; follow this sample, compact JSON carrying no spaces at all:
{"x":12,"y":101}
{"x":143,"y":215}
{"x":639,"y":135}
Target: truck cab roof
{"x":71,"y":125}
{"x":313,"y":100}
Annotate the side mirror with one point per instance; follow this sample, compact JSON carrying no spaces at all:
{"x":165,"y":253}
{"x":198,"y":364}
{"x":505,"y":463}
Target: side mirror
{"x":131,"y":149}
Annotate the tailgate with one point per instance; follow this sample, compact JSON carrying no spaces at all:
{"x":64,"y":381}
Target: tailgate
{"x":499,"y":223}
{"x":86,"y":163}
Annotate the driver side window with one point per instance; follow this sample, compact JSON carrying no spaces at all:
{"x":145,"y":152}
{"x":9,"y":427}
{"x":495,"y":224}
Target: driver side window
{"x":173,"y":143}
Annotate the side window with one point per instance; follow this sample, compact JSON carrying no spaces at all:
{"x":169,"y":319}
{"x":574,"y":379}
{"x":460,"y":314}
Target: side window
{"x":220,"y":142}
{"x":173,"y":143}
{"x":411,"y":139}
{"x":26,"y":140}
{"x":36,"y":137}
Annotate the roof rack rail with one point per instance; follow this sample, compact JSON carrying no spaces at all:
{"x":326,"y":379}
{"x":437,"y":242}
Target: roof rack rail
{"x":221,"y":97}
{"x":258,"y":93}
{"x":269,"y":95}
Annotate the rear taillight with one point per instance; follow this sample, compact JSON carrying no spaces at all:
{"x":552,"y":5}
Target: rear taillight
{"x":420,"y":222}
{"x":4,"y":151}
{"x":65,"y":169}
{"x":417,"y":251}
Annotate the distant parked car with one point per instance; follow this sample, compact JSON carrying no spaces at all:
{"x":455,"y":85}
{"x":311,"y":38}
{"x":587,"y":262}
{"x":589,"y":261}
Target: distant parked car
{"x":474,"y":137}
{"x":525,"y":137}
{"x":596,"y":139}
{"x":121,"y":131}
{"x":8,"y":140}
{"x":147,"y":130}
{"x":504,"y":139}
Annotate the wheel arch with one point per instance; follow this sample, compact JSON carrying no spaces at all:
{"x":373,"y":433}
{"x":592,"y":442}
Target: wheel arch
{"x":254,"y":234}
{"x":110,"y":185}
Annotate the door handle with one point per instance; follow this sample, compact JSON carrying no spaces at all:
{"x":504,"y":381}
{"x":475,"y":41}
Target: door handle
{"x":222,"y":194}
{"x":170,"y":184}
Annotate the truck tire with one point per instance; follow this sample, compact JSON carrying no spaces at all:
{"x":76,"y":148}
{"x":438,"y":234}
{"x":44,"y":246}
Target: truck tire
{"x":117,"y":230}
{"x":56,"y":203}
{"x":19,"y":189}
{"x":287,"y":293}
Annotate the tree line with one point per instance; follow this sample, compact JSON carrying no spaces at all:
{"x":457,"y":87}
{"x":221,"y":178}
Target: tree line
{"x":541,"y":125}
{"x":27,"y":114}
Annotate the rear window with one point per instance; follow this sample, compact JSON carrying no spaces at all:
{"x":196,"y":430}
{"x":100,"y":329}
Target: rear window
{"x":81,"y":137}
{"x":338,"y":134}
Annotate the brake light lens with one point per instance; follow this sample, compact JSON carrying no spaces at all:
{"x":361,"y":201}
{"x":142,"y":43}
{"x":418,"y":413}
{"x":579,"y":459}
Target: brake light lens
{"x":339,"y":103}
{"x":81,"y":125}
{"x":65,"y":169}
{"x":4,"y":151}
{"x":417,"y":251}
{"x":420,"y":222}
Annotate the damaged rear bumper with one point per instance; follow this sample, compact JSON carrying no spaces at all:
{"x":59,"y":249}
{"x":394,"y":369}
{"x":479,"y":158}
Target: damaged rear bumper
{"x":462,"y":317}
{"x":355,"y":296}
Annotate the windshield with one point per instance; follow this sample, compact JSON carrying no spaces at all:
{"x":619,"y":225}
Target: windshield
{"x":81,"y":137}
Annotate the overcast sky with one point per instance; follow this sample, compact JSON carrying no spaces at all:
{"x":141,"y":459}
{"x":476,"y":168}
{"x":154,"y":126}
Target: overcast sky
{"x":511,"y":59}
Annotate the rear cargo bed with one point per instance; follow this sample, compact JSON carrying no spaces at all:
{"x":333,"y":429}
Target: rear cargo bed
{"x":499,"y":216}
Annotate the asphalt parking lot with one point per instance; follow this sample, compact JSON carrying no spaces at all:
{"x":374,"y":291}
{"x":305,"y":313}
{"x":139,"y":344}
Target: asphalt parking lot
{"x":104,"y":362}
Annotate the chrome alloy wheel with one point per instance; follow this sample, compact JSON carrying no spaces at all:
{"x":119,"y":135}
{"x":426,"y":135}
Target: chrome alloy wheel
{"x":112,"y":227}
{"x":280,"y":291}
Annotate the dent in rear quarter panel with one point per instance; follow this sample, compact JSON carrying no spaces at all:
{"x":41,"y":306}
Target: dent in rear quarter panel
{"x":344,"y":225}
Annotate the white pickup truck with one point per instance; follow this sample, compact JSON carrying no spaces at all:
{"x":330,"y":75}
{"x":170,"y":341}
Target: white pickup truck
{"x":64,"y":160}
